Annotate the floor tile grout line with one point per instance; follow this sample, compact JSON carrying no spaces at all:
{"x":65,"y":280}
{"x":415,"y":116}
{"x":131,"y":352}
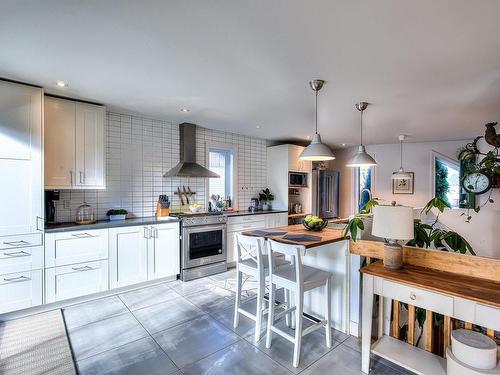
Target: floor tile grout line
{"x":149,"y":334}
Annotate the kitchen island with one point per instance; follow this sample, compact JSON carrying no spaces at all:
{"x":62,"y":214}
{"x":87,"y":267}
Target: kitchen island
{"x":327,"y":250}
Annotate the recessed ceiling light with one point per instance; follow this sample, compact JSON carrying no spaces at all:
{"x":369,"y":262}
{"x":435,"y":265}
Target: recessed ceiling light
{"x":184,"y":110}
{"x":308,"y":137}
{"x":257,"y":126}
{"x":61,"y":84}
{"x":343,"y":144}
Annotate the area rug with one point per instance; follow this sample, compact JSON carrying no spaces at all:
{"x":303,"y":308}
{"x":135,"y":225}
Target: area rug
{"x":35,"y":345}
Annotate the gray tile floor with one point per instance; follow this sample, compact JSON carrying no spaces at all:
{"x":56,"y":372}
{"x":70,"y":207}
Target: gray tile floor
{"x":187,"y":328}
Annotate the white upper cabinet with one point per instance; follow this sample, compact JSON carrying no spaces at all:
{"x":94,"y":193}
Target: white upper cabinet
{"x":89,"y":145}
{"x":21,"y":164}
{"x":74,"y":145}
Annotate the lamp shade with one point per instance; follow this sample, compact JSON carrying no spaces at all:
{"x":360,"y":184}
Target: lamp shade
{"x":316,"y":151}
{"x":401,"y":175}
{"x":361,"y":159}
{"x":393,"y":222}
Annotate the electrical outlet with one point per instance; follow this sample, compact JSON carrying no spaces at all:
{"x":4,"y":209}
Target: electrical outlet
{"x":66,"y":204}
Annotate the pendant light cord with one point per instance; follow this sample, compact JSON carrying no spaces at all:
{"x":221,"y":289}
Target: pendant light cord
{"x":401,"y":153}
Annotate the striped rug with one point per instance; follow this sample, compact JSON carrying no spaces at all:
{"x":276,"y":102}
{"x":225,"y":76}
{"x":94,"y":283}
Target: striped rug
{"x":35,"y":345}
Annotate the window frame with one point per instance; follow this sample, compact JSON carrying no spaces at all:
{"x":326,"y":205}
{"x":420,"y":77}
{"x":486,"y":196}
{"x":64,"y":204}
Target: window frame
{"x":437,"y":155}
{"x":231,"y":148}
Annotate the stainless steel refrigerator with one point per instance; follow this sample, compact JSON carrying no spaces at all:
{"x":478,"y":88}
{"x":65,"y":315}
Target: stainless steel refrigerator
{"x":325,"y":193}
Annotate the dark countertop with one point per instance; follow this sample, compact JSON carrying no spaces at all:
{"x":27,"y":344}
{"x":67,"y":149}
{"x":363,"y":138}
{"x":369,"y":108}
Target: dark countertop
{"x":102,"y":224}
{"x":246,"y":212}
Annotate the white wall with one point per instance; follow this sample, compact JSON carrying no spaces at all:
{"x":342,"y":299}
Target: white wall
{"x":140,"y":150}
{"x":480,"y":232}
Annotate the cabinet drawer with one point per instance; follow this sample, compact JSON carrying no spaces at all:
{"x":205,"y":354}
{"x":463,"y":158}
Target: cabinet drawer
{"x":488,"y":317}
{"x":436,"y":302}
{"x":75,"y":247}
{"x":21,"y":240}
{"x":20,"y":290}
{"x":246,"y":226}
{"x":245,"y":219}
{"x":23,"y":259}
{"x":76,"y":280}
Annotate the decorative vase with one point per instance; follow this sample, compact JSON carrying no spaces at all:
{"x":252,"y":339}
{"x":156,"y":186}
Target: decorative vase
{"x":265,"y":207}
{"x":117,"y":217}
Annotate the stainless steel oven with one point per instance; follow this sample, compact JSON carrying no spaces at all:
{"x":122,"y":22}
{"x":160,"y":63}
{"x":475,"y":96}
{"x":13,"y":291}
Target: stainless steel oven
{"x":204,"y":241}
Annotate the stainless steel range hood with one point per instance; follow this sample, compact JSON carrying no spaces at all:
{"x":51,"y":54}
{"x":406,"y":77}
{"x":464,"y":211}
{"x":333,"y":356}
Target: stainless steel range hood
{"x":187,"y":166}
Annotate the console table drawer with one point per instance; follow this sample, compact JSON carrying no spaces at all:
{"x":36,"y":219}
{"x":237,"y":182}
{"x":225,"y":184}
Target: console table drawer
{"x":436,"y":302}
{"x":487,"y":316}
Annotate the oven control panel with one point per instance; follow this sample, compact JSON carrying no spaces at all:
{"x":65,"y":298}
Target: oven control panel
{"x":203,"y":220}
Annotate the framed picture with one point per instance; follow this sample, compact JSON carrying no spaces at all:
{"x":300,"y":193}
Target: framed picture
{"x":403,"y":185}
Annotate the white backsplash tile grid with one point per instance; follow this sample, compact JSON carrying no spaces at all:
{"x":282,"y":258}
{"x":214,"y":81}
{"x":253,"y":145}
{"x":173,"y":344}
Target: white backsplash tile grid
{"x":140,"y":150}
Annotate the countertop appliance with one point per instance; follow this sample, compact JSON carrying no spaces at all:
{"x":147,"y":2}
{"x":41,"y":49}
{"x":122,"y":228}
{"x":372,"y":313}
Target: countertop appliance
{"x":297,"y":179}
{"x":203,"y":244}
{"x":51,"y":196}
{"x":325,"y":193}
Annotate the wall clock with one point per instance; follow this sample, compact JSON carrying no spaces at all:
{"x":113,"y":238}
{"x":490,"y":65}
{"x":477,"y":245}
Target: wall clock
{"x":477,"y":183}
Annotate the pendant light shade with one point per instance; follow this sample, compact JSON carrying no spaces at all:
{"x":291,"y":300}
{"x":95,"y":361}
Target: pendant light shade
{"x":401,"y":173}
{"x":316,"y":151}
{"x":361,"y":158}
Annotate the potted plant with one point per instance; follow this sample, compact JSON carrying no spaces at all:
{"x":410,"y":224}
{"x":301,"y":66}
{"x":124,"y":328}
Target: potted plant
{"x":117,"y":214}
{"x":266,"y":198}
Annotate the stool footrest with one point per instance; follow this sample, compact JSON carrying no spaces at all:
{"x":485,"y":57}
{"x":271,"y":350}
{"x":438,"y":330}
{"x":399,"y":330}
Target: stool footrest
{"x":314,"y":327}
{"x":283,"y":334}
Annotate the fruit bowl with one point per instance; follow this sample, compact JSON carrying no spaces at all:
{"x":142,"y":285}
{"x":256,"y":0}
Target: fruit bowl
{"x":194,"y":208}
{"x":314,"y":223}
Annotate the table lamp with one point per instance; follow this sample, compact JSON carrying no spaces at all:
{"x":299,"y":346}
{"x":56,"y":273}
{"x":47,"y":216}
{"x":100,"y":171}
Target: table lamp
{"x":393,"y":223}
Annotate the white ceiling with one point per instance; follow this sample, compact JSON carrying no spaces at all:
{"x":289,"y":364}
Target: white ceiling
{"x":430,"y":68}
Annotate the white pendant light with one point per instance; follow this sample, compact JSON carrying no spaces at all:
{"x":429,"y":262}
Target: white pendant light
{"x":316,"y":151}
{"x":401,"y":174}
{"x":361,"y":158}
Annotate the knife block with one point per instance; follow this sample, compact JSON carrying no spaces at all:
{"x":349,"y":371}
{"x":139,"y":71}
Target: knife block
{"x":161,"y":212}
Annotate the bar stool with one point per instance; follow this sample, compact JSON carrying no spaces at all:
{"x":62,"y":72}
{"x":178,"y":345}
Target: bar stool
{"x":253,"y":262}
{"x":298,"y":279}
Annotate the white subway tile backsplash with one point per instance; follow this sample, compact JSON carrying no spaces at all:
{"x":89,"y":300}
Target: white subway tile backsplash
{"x":140,"y":150}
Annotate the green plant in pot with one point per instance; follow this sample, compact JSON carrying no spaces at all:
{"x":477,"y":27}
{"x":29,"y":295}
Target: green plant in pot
{"x":117,"y":214}
{"x":266,"y":197}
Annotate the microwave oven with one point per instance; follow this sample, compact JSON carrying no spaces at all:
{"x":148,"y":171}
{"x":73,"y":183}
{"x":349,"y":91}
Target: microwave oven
{"x":297,"y":179}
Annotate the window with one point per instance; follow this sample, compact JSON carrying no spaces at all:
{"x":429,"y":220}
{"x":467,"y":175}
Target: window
{"x":365,"y":186}
{"x":220,"y":161}
{"x":447,"y":180}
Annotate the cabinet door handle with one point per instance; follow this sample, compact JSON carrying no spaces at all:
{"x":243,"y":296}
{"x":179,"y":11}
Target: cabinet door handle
{"x":154,"y":232}
{"x":147,"y":234}
{"x":16,"y":279}
{"x":81,"y":177}
{"x":71,"y":177}
{"x":39,"y":219}
{"x":17,"y":254}
{"x":16,"y":243}
{"x":84,"y":268}
{"x":81,"y":235}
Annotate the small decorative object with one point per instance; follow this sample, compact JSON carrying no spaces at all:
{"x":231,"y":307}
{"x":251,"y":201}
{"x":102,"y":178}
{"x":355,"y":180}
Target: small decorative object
{"x":118,"y":214}
{"x":85,"y":214}
{"x":393,"y":223}
{"x":314,"y":223}
{"x":477,"y":183}
{"x":217,"y":203}
{"x":403,"y":185}
{"x":195,"y":207}
{"x":162,"y":207}
{"x":266,"y":198}
{"x":474,"y":350}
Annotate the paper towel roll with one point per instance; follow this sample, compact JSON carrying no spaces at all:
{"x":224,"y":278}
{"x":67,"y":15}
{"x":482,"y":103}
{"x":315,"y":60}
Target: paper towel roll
{"x":474,"y":349}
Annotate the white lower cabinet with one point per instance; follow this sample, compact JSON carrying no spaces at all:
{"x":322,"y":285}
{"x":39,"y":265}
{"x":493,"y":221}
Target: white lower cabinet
{"x":164,"y":258}
{"x":238,"y":224}
{"x":75,"y":280}
{"x":20,"y":290}
{"x":128,"y":255}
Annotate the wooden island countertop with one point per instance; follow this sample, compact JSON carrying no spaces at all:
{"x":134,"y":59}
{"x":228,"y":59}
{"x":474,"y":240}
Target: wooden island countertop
{"x":326,"y":236}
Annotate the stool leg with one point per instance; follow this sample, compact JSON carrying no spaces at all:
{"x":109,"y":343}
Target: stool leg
{"x":270,"y":315}
{"x":299,"y":304}
{"x":258,"y":313}
{"x":237,"y":300}
{"x":328,"y":314}
{"x":287,"y":306}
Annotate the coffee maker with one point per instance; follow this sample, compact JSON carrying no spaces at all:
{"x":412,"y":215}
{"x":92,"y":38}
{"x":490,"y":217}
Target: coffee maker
{"x":51,"y":196}
{"x":254,"y":205}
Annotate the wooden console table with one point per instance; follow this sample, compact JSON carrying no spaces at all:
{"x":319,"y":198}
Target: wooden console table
{"x":471,"y":299}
